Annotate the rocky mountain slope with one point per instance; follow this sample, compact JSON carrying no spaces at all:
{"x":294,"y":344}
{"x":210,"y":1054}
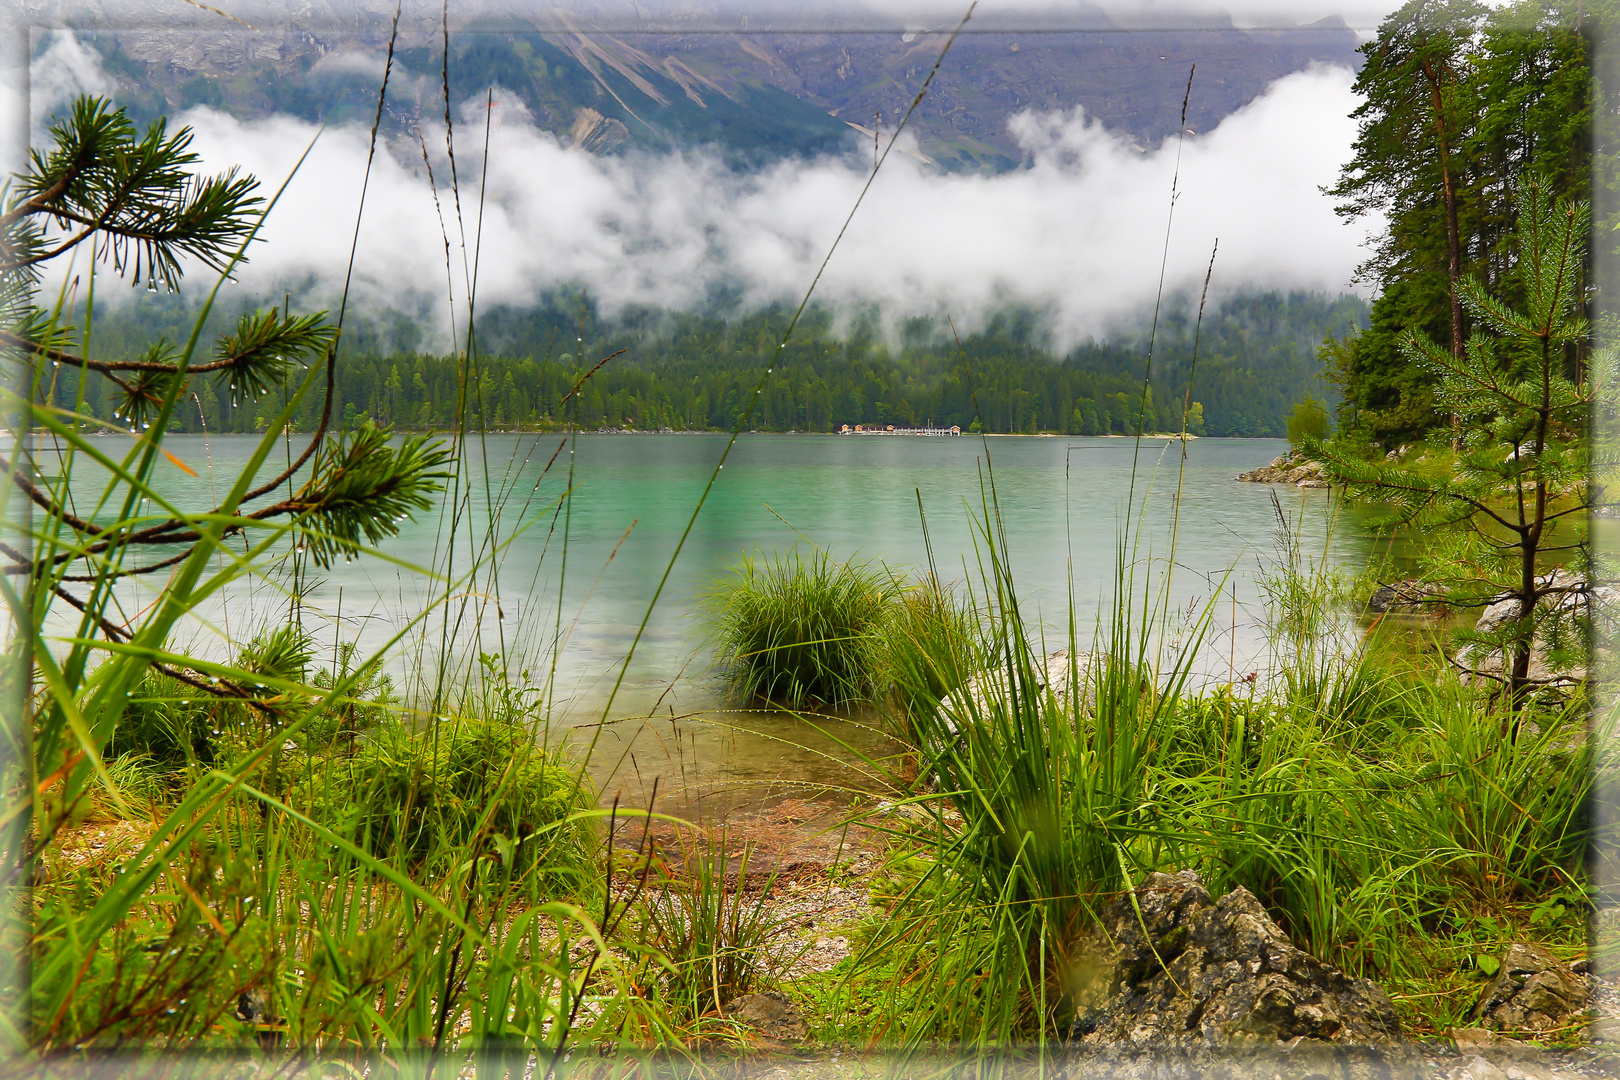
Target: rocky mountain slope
{"x":755,"y":86}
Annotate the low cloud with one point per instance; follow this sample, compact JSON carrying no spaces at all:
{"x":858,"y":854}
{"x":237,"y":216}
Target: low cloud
{"x":61,"y":70}
{"x":1078,"y":231}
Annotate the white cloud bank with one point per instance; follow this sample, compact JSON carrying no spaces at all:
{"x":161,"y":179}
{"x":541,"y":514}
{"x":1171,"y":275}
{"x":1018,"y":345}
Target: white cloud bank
{"x":1078,"y":231}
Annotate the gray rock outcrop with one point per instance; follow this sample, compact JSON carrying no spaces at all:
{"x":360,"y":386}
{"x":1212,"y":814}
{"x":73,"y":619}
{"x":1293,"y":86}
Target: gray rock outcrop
{"x":597,"y":133}
{"x":1557,"y":622}
{"x":1214,"y":989}
{"x":1405,"y":596}
{"x":1293,"y":468}
{"x":975,"y":697}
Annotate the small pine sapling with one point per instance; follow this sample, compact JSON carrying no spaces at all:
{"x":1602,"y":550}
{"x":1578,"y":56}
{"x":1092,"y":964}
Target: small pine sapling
{"x":1515,"y":496}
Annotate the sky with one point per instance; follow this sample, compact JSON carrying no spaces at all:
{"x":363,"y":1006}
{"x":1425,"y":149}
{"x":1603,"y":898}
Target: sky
{"x":1083,"y":231}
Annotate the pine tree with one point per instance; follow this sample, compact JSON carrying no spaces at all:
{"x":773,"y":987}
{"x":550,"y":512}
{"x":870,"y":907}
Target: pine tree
{"x":135,"y":201}
{"x":1516,"y":492}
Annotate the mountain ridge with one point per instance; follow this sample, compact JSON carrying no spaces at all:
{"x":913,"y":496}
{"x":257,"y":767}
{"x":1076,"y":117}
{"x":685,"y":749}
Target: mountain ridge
{"x":756,"y":89}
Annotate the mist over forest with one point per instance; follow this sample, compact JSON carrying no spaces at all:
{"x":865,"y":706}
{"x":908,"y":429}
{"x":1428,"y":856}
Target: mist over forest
{"x":672,"y":194}
{"x":1257,"y":357}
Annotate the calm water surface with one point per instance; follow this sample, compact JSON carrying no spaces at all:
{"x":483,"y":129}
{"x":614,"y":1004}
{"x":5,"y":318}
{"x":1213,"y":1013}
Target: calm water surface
{"x":568,"y":585}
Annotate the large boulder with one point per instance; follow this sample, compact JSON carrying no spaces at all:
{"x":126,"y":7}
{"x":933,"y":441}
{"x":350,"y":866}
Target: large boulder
{"x":1559,"y":613}
{"x":1214,"y":989}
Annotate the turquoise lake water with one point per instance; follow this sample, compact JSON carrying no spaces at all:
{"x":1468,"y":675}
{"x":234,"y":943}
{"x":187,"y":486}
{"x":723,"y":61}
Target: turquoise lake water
{"x":1062,"y":502}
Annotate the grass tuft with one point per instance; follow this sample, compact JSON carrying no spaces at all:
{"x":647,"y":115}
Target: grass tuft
{"x":803,"y":630}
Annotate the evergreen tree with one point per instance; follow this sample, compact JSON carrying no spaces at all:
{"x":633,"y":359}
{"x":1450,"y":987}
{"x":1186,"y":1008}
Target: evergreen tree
{"x":1463,"y":107}
{"x":137,"y":202}
{"x":1517,"y":491}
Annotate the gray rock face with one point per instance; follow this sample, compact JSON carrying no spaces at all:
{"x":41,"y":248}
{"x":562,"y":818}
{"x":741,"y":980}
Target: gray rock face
{"x":1533,"y":992}
{"x":1214,"y":989}
{"x":975,"y":697}
{"x":1556,"y":615}
{"x":597,"y":133}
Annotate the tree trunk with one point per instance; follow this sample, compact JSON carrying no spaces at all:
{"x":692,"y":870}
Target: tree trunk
{"x":1453,"y":239}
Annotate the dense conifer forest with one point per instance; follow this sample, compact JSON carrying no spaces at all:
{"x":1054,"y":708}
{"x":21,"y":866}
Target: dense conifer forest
{"x":1257,"y":357}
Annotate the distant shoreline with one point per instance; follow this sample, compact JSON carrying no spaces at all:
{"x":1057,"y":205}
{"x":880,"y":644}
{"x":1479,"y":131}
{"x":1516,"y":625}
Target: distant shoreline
{"x":1154,"y":435}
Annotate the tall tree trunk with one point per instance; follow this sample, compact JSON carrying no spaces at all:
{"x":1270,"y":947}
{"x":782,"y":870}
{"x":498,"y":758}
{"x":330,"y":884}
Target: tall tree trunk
{"x":1453,"y":239}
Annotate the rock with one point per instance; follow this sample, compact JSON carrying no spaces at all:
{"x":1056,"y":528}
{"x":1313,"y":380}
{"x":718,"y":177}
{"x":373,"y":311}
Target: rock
{"x":1409,"y":596}
{"x":1556,"y":618}
{"x":1487,"y":1044}
{"x":1477,"y":1068}
{"x":596,"y":133}
{"x":993,"y":684}
{"x":1210,"y":988}
{"x":904,"y":814}
{"x":253,"y":1005}
{"x":1533,"y":992}
{"x":771,"y":1014}
{"x":1294,"y":469}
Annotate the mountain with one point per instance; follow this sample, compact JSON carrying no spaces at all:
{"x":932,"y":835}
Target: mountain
{"x":755,"y":87}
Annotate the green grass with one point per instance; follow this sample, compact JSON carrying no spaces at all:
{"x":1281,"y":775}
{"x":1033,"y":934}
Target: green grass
{"x":707,"y":929}
{"x":459,"y":789}
{"x":1378,"y":808}
{"x":803,"y":629}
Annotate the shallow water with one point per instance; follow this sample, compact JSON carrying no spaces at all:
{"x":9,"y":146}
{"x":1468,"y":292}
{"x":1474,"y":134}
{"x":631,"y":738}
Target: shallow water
{"x":564,"y":595}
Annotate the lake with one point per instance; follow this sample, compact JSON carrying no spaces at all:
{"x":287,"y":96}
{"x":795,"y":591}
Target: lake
{"x":585,"y":530}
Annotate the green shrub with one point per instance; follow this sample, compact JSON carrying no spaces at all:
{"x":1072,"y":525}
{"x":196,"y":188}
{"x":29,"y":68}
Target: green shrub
{"x":803,"y":629}
{"x":1308,"y":420}
{"x":370,"y":702}
{"x":460,"y":788}
{"x":168,"y":723}
{"x":171,"y":724}
{"x":929,"y":645}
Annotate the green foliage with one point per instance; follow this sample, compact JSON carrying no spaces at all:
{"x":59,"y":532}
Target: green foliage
{"x":710,"y":928}
{"x":1308,"y":420}
{"x":360,"y":488}
{"x":1464,"y":105}
{"x":459,"y":787}
{"x":137,"y":194}
{"x":1517,"y":487}
{"x":690,"y":371}
{"x":1052,"y":775}
{"x":140,"y":202}
{"x":167,"y":723}
{"x":930,"y":644}
{"x":1337,"y":791}
{"x":244,"y":921}
{"x":163,"y":980}
{"x":803,"y":629}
